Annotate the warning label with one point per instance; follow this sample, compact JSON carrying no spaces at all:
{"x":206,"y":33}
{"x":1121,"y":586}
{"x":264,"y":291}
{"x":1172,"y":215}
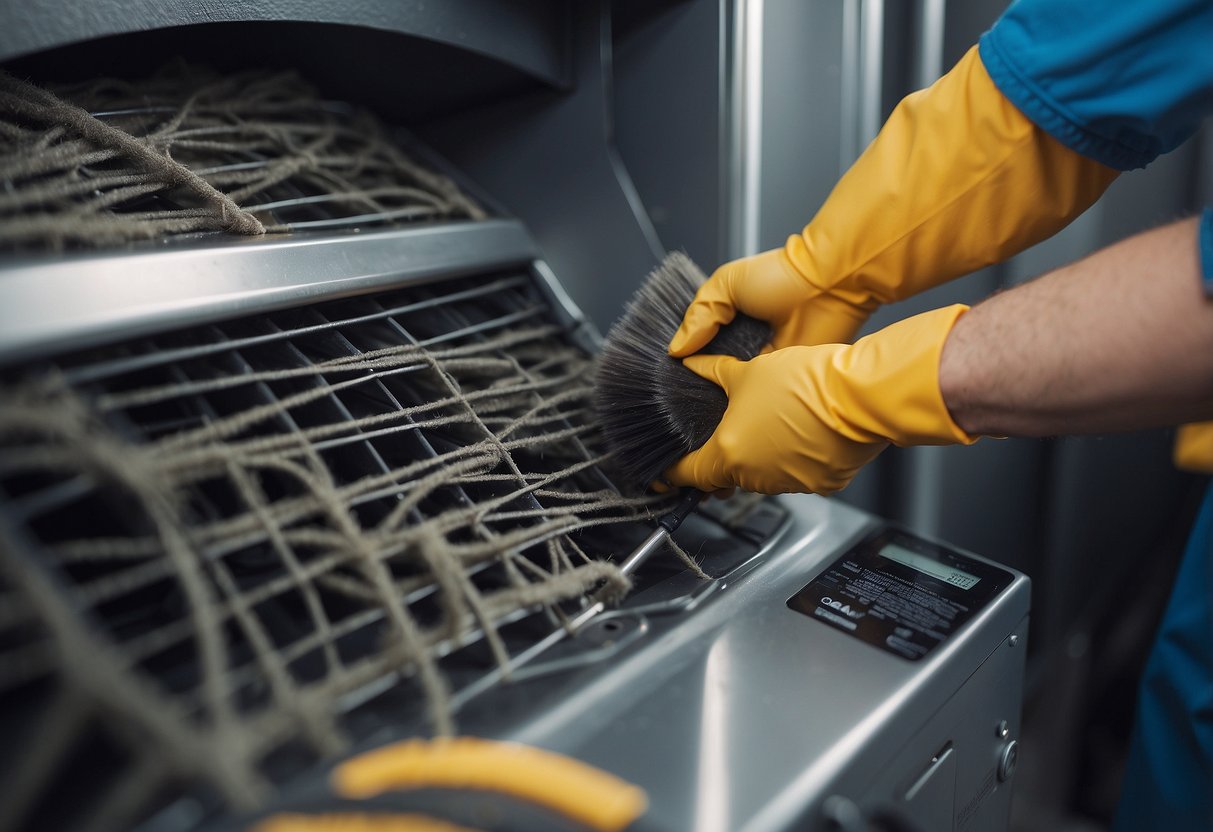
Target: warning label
{"x":897,"y":607}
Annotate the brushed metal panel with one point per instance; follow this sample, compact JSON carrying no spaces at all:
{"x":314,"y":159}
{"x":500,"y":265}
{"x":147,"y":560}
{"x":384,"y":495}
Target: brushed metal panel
{"x":68,"y":302}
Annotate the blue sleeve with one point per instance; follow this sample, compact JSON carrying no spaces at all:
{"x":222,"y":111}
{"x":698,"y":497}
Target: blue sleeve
{"x":1119,"y":81}
{"x":1206,"y":250}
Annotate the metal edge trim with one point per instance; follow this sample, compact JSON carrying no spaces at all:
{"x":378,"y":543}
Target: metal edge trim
{"x":848,"y":117}
{"x":871,"y":50}
{"x":931,"y":22}
{"x":742,"y":63}
{"x":517,"y":34}
{"x":627,"y":186}
{"x":72,"y":302}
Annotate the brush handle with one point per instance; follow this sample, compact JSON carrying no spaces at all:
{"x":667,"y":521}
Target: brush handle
{"x":666,"y":526}
{"x":690,"y":499}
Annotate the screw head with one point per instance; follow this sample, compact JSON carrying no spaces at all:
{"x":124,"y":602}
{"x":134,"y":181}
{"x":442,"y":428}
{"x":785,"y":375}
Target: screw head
{"x":1002,"y":730}
{"x":1013,"y":641}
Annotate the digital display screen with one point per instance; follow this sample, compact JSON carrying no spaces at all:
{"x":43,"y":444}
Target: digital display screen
{"x":929,"y":566}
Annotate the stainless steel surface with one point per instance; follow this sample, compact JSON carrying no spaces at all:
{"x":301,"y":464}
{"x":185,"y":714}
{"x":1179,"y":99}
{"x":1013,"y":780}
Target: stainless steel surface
{"x":924,"y":498}
{"x":565,"y":309}
{"x":746,"y":715}
{"x":526,"y":34}
{"x":743,"y":147}
{"x":733,"y":711}
{"x":849,"y":78}
{"x":933,"y":794}
{"x":966,"y":795}
{"x":871,"y":57}
{"x":843,"y":815}
{"x":644,"y":551}
{"x":932,"y":16}
{"x":606,"y":58}
{"x":668,"y":85}
{"x":551,"y":162}
{"x":73,"y":301}
{"x":860,"y":110}
{"x":806,"y":92}
{"x":938,"y":763}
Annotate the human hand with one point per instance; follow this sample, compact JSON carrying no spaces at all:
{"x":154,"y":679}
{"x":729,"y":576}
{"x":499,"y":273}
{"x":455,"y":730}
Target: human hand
{"x":807,"y":419}
{"x":770,"y":287}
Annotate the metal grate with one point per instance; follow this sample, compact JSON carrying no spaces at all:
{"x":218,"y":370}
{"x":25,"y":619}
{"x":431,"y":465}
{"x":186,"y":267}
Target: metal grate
{"x":188,"y":151}
{"x":220,"y":547}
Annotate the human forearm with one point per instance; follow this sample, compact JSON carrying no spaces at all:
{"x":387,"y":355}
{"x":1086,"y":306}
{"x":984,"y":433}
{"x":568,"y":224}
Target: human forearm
{"x":1120,"y":340}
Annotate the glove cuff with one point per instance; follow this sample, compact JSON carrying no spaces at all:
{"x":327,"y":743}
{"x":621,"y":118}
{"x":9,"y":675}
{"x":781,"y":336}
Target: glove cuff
{"x":957,"y":179}
{"x":891,"y":382}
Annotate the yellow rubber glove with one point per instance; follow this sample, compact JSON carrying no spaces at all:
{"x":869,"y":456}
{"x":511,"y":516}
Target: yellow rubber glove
{"x":808,"y":418}
{"x":1194,"y":448}
{"x":957,"y":179}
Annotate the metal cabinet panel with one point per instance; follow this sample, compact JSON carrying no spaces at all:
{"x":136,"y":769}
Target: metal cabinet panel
{"x":667,"y":109}
{"x":526,"y":34}
{"x":804,"y":57}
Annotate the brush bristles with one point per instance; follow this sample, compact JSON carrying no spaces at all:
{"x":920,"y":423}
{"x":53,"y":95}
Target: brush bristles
{"x":652,"y":409}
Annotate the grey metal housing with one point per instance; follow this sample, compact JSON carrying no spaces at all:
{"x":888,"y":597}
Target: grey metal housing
{"x":731,"y":710}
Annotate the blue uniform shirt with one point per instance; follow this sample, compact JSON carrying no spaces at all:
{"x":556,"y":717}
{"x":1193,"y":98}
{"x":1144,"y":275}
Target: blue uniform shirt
{"x":1119,"y":81}
{"x":1123,"y":81}
{"x":1168,"y":780}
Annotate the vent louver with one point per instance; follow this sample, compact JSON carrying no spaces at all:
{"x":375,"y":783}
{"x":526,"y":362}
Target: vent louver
{"x":189,"y":151}
{"x":218,"y":545}
{"x":235,"y":545}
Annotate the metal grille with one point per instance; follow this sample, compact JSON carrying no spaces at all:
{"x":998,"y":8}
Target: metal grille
{"x":189,"y":151}
{"x":219,"y":546}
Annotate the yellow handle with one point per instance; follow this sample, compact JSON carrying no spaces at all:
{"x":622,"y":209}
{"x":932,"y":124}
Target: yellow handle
{"x":586,"y":794}
{"x":355,"y":822}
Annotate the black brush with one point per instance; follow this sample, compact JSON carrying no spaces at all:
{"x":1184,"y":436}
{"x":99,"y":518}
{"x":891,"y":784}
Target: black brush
{"x":653,"y":410}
